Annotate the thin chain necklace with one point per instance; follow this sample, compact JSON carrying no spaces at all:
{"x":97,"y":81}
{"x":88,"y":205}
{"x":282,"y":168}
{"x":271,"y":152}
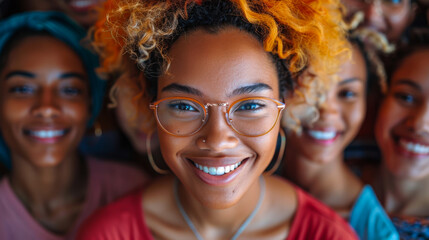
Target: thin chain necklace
{"x":240,"y":229}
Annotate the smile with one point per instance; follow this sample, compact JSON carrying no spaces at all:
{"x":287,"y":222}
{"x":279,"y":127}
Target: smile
{"x":322,"y":135}
{"x":83,"y":3}
{"x":217,"y":171}
{"x":45,"y":134}
{"x":414,"y":147}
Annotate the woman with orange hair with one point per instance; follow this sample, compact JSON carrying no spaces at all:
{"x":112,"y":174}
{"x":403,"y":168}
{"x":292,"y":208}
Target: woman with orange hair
{"x":216,"y":75}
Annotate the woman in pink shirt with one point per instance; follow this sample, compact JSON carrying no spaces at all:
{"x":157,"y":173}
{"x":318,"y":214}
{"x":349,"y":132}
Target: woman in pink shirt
{"x":49,"y":95}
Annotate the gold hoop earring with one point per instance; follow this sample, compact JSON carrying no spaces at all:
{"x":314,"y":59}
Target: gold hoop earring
{"x":281,"y":153}
{"x":150,"y":156}
{"x":98,"y":131}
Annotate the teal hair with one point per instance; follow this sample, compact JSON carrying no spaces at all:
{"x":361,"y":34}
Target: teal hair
{"x":66,"y":30}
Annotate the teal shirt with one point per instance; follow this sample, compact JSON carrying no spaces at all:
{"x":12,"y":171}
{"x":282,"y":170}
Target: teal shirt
{"x":369,"y":219}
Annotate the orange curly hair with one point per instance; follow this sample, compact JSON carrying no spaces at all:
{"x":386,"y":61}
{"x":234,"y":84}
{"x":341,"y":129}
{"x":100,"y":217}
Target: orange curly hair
{"x":297,"y":31}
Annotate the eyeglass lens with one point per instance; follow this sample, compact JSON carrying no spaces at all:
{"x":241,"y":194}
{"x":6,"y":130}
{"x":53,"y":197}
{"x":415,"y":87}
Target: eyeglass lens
{"x":250,"y":117}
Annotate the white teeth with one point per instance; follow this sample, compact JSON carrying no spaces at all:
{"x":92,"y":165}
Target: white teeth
{"x":47,"y":133}
{"x":217,"y":171}
{"x":414,"y":147}
{"x":322,"y":135}
{"x":83,"y":3}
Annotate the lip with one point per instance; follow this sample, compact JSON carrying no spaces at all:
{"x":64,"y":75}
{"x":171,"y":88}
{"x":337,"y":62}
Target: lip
{"x":322,"y":136}
{"x":218,"y":180}
{"x":411,"y":147}
{"x":46,"y":135}
{"x":82,"y":6}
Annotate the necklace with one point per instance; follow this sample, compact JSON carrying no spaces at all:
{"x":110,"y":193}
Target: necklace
{"x":240,"y":229}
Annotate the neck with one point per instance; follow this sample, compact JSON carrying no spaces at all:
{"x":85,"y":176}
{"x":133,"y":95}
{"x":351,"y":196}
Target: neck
{"x":404,"y":196}
{"x":330,"y":181}
{"x":46,"y":187}
{"x":209,"y":221}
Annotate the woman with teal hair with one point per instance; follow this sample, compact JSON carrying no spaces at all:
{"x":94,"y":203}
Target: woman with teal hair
{"x":50,"y":93}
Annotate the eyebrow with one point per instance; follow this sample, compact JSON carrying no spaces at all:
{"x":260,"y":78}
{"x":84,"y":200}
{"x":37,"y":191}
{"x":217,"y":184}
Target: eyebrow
{"x":257,"y":87}
{"x":174,"y":87}
{"x":20,"y":73}
{"x":349,"y":80}
{"x":26,"y":74}
{"x":408,"y":82}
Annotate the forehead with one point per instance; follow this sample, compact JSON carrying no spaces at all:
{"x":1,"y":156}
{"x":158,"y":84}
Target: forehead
{"x":217,"y":63}
{"x":414,"y":67}
{"x":43,"y":51}
{"x":355,"y":67}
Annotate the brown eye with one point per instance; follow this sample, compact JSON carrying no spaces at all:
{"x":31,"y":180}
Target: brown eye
{"x":405,"y":98}
{"x":71,"y":91}
{"x":22,"y":90}
{"x":347,"y":94}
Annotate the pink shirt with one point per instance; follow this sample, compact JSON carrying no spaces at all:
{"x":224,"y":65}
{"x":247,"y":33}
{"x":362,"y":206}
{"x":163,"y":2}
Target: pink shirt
{"x":107,"y":181}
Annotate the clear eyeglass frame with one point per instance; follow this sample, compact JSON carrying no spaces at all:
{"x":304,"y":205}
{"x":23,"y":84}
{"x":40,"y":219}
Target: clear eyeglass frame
{"x":154,"y":106}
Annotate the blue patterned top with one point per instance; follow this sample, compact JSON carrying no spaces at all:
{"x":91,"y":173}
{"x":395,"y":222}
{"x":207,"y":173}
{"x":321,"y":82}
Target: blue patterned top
{"x":415,"y":228}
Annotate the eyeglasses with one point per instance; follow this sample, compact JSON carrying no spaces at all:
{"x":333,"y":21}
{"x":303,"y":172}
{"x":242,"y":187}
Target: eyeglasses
{"x":252,"y":117}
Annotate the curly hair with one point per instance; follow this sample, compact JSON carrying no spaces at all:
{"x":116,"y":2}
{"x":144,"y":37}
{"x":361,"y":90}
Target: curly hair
{"x":310,"y":93}
{"x":294,"y":32}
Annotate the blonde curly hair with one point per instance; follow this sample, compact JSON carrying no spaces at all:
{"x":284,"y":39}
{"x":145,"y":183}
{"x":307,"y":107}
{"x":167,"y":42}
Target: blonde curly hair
{"x":144,"y":30}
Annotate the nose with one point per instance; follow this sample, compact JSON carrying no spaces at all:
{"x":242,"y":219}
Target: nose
{"x":47,"y":105}
{"x":374,"y":15}
{"x":419,"y":121}
{"x":329,"y":108}
{"x":217,"y":135}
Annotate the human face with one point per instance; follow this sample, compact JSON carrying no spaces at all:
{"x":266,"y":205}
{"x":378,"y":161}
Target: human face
{"x":402,"y":128}
{"x":217,"y":68}
{"x":130,"y":120}
{"x":341,"y":115}
{"x":390,"y":17}
{"x":44,"y":102}
{"x":83,"y":12}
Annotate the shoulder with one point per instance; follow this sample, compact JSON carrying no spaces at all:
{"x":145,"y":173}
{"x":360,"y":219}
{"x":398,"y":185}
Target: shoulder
{"x":122,"y":219}
{"x":115,"y":178}
{"x":314,"y":220}
{"x":369,"y":219}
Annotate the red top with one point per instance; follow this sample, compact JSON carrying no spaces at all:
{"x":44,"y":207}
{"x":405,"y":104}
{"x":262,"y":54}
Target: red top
{"x":124,"y":220}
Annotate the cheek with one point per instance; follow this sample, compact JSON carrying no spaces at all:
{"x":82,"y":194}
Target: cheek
{"x":78,"y":112}
{"x":386,"y":121}
{"x":356,"y":114}
{"x":171,"y":146}
{"x":14,"y":112}
{"x":398,"y":18}
{"x":264,"y":146}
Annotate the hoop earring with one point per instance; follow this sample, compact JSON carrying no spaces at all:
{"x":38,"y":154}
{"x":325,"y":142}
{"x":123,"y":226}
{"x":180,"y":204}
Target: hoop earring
{"x":150,"y":156}
{"x":281,"y":153}
{"x":98,"y":131}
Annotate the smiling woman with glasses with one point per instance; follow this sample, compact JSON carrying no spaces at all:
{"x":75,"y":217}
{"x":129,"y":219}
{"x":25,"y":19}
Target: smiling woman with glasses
{"x":214,"y":76}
